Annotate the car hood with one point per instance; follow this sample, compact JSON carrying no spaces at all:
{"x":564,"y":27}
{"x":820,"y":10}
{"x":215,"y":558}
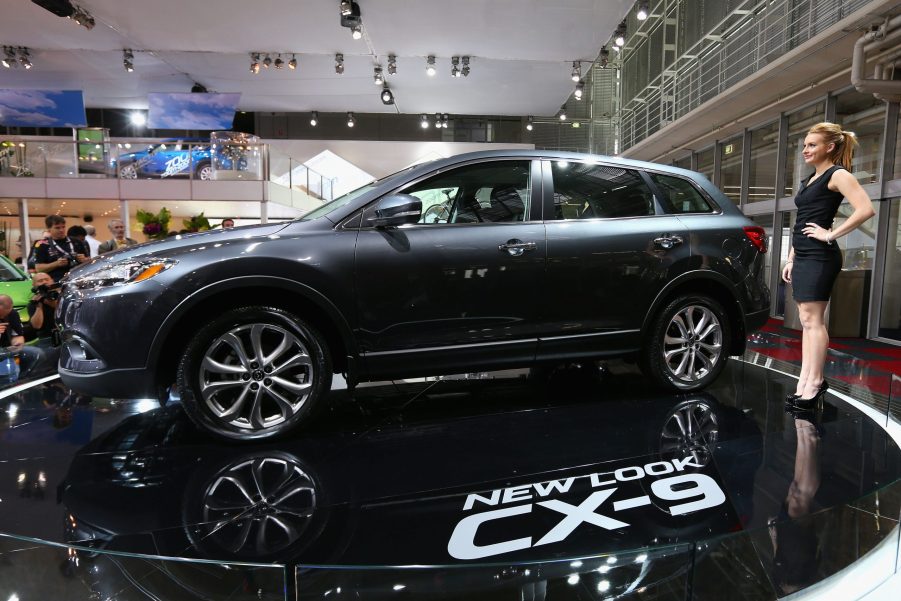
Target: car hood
{"x":169,"y":246}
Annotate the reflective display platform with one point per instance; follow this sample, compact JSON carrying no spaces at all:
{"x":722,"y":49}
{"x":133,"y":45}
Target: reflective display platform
{"x":573,"y":483}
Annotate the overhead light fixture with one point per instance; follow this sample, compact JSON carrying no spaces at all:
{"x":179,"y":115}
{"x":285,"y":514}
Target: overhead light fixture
{"x":352,"y":19}
{"x":339,"y":63}
{"x":255,"y":63}
{"x":580,"y":87}
{"x":138,"y":118}
{"x":605,"y":57}
{"x":437,"y":120}
{"x":198,"y":88}
{"x":562,"y":114}
{"x":82,"y":17}
{"x":455,"y":69}
{"x":465,"y":70}
{"x":267,"y":61}
{"x":430,"y":66}
{"x":529,"y":123}
{"x":346,"y":8}
{"x":25,"y":58}
{"x":128,"y":60}
{"x":643,"y":9}
{"x":619,"y":36}
{"x":576,"y":74}
{"x":424,"y":121}
{"x":9,"y":58}
{"x":377,"y":76}
{"x":292,"y":64}
{"x":350,"y":120}
{"x":279,"y":63}
{"x":444,"y":120}
{"x":314,"y":118}
{"x":392,"y":64}
{"x":356,"y":32}
{"x":387,"y":96}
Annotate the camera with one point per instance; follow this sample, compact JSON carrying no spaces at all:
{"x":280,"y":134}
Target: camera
{"x":47,"y":291}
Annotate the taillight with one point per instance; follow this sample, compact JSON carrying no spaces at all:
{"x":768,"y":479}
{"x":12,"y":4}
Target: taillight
{"x":757,"y":236}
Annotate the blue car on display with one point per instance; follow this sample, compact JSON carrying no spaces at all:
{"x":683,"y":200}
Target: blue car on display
{"x":169,"y":158}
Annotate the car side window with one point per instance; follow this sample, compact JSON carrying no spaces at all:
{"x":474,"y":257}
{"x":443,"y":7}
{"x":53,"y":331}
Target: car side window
{"x":591,"y":191}
{"x":492,"y":192}
{"x":679,"y":195}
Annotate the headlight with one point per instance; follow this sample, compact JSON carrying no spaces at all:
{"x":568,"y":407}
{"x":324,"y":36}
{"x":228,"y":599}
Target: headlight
{"x":123,"y":272}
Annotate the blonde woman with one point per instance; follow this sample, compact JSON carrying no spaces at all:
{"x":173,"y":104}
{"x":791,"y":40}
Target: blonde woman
{"x":814,"y":260}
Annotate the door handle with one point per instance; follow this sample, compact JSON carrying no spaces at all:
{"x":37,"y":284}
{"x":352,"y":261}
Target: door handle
{"x":515,"y":247}
{"x":668,"y":241}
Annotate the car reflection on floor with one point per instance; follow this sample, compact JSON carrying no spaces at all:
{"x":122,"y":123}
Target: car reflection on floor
{"x":498,"y":468}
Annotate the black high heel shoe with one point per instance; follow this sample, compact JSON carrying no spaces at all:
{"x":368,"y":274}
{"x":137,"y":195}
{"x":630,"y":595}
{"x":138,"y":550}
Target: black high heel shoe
{"x":814,"y":400}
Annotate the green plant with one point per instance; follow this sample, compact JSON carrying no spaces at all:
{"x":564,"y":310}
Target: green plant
{"x":156,"y":225}
{"x":197,"y":223}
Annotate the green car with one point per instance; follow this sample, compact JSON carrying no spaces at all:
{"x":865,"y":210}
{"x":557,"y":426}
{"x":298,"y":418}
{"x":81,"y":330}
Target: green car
{"x":17,"y":284}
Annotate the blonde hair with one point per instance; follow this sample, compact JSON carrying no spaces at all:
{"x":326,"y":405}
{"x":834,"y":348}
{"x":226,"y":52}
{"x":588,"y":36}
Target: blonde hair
{"x":844,"y":141}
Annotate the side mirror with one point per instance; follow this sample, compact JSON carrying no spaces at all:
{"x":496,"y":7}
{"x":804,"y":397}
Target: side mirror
{"x":396,"y":209}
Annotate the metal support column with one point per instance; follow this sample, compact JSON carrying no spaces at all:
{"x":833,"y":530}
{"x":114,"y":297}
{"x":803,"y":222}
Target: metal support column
{"x":24,"y":234}
{"x":717,"y":163}
{"x":776,"y":242}
{"x":123,"y":215}
{"x":745,"y":168}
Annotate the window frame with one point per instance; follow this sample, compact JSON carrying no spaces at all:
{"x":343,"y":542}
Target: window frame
{"x":658,"y":194}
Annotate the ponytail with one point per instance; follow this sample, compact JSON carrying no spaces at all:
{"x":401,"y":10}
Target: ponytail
{"x":844,"y":141}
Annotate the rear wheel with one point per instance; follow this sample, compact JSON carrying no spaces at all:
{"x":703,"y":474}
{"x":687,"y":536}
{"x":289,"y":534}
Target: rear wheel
{"x":688,"y":344}
{"x":253,"y":373}
{"x":204,"y":171}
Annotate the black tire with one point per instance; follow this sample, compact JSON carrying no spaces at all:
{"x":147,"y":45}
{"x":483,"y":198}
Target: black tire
{"x":688,"y":344}
{"x":262,"y":394}
{"x":203,"y":171}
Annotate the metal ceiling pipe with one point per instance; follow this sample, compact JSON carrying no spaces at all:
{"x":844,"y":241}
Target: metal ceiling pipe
{"x":885,"y":90}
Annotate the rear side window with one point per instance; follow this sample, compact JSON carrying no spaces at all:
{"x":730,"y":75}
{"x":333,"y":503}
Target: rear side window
{"x":679,"y":195}
{"x":588,"y":191}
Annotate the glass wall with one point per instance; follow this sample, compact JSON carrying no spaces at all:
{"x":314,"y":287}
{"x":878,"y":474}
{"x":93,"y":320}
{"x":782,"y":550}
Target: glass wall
{"x":865,"y":116}
{"x":890,"y":318}
{"x":730,"y":168}
{"x":683,"y":163}
{"x":897,"y":174}
{"x":798,"y":124}
{"x":705,"y":163}
{"x":762,"y":169}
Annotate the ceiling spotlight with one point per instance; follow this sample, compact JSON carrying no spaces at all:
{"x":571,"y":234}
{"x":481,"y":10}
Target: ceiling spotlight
{"x":643,"y":10}
{"x":82,"y":17}
{"x":279,"y":63}
{"x":314,"y":119}
{"x":356,"y":32}
{"x":292,"y":64}
{"x":138,"y":118}
{"x":339,"y":63}
{"x":350,"y":120}
{"x":605,"y":57}
{"x":346,"y":8}
{"x":351,"y":16}
{"x":267,"y":61}
{"x":24,"y":58}
{"x":9,"y":59}
{"x":430,"y":66}
{"x":465,"y":66}
{"x":580,"y":87}
{"x":619,"y":36}
{"x":377,"y":76}
{"x":255,"y":63}
{"x":455,"y":70}
{"x":128,"y":60}
{"x":529,"y":123}
{"x":392,"y":64}
{"x":387,"y":96}
{"x":576,"y":74}
{"x":562,"y":114}
{"x":444,"y":120}
{"x":424,"y":121}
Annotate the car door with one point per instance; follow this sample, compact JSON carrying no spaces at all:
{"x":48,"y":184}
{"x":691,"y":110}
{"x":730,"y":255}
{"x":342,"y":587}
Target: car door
{"x":610,"y":253}
{"x":461,"y":286}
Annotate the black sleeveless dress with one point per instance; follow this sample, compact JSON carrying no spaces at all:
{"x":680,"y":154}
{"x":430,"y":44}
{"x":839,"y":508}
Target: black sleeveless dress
{"x":817,"y":263}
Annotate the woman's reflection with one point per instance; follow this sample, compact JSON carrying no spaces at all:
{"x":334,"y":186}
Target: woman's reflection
{"x":794,"y":538}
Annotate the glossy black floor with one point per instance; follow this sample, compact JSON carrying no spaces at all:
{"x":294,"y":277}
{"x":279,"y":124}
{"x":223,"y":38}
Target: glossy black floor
{"x":499,"y":470}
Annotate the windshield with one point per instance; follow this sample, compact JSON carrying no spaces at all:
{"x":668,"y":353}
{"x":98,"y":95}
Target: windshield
{"x":9,"y":274}
{"x":342,"y":200}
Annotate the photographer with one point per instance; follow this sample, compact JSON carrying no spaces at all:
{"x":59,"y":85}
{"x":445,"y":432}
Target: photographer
{"x":58,"y":254}
{"x":42,"y":307}
{"x":13,"y":339}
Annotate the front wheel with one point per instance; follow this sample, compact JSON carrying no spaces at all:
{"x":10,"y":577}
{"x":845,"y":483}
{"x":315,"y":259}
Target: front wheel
{"x":204,"y":172}
{"x":688,"y":344}
{"x":253,"y":373}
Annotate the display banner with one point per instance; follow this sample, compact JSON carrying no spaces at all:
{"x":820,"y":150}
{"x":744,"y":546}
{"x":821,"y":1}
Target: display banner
{"x":192,"y":111}
{"x":42,"y":108}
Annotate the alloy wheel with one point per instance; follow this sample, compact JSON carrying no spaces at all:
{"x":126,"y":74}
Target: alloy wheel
{"x":256,"y":376}
{"x":689,"y":430}
{"x":693,"y":343}
{"x":128,"y":172}
{"x":205,"y":173}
